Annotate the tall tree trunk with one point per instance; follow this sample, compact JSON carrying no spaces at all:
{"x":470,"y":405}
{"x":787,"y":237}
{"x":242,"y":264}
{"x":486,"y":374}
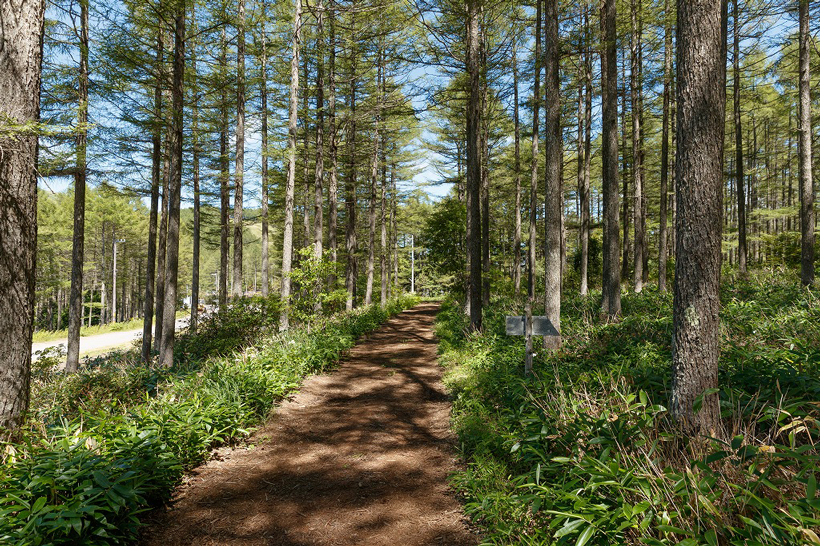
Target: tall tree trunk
{"x":394,"y":242}
{"x":306,"y":183}
{"x":611,"y":300}
{"x":625,"y":176}
{"x":635,"y":84}
{"x":224,"y":179}
{"x":663,"y":236}
{"x":333,"y":183}
{"x":318,"y":190}
{"x":197,"y":201}
{"x":554,"y":196}
{"x":587,"y":158}
{"x":239,"y":170}
{"x":350,"y":185}
{"x":739,"y":180}
{"x":265,"y":198}
{"x":533,"y":209}
{"x":474,"y":163}
{"x":162,"y":247}
{"x":485,"y":172}
{"x":174,"y":191}
{"x":75,"y":309}
{"x":517,"y":168}
{"x":807,"y":219}
{"x":287,"y":243}
{"x":21,"y":31}
{"x":374,"y":181}
{"x":383,"y":248}
{"x":699,"y":185}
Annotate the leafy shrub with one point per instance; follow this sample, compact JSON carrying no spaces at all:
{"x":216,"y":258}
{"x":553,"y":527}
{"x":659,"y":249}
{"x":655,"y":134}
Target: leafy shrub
{"x":585,"y":452}
{"x":241,"y":323}
{"x":85,"y":480}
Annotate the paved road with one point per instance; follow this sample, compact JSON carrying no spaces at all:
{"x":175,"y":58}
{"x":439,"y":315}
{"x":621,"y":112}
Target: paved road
{"x":111,"y":340}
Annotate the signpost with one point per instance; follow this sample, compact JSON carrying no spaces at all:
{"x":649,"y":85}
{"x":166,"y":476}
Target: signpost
{"x":535,"y":326}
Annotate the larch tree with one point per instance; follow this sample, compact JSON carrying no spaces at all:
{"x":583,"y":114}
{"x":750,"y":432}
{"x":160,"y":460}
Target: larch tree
{"x":663,"y":232}
{"x":474,"y":163}
{"x":21,"y":33}
{"x":75,"y":309}
{"x":635,"y":92}
{"x":224,"y":172}
{"x":701,"y":99}
{"x":290,"y":184}
{"x":174,"y":189}
{"x":263,"y":83}
{"x":554,"y":198}
{"x":738,"y":125}
{"x":237,"y":290}
{"x":195,"y":152}
{"x":351,"y":243}
{"x":333,"y":146}
{"x":611,"y":300}
{"x":517,"y":175}
{"x":319,"y":171}
{"x":156,"y":173}
{"x":807,"y":220}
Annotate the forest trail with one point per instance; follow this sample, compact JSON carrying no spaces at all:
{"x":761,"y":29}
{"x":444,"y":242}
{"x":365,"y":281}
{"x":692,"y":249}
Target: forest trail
{"x":360,"y":456}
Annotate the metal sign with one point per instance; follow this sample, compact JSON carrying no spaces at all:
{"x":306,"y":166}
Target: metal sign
{"x":541,"y":326}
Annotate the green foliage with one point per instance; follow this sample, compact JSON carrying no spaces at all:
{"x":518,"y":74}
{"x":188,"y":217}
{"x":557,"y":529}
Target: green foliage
{"x":306,"y":277}
{"x":244,"y":321}
{"x":585,"y":452}
{"x":444,"y":235}
{"x":130,"y":432}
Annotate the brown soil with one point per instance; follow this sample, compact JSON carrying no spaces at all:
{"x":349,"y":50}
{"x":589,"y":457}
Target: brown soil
{"x":359,"y":456}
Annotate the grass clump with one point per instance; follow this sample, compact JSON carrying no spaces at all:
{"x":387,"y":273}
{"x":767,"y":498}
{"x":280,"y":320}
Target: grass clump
{"x":90,"y":468}
{"x":585,"y":452}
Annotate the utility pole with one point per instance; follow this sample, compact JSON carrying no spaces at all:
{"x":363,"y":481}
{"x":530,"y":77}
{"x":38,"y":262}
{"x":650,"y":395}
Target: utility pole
{"x":412,"y":264}
{"x":114,"y":301}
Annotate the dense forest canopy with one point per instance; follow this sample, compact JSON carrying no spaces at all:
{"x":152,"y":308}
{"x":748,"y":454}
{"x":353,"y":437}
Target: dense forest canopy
{"x":629,"y":171}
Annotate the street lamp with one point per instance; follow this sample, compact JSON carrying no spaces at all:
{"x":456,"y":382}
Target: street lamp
{"x":114,"y":307}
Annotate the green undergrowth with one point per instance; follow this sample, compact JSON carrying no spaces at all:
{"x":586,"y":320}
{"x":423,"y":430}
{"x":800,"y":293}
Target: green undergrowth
{"x":585,"y":452}
{"x":114,"y":440}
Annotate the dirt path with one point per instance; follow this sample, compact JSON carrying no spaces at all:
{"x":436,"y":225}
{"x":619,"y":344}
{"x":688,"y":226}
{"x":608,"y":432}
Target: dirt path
{"x":360,"y":456}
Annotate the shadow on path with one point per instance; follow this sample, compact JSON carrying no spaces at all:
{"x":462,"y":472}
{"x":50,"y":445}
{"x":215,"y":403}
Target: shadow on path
{"x":359,"y":456}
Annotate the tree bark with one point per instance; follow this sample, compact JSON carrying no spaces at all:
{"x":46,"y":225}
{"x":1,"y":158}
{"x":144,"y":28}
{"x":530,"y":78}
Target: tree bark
{"x":21,"y":31}
{"x":485,"y":169}
{"x":554,"y":198}
{"x":517,"y":174}
{"x":318,"y":220}
{"x":701,"y":77}
{"x":807,"y":219}
{"x":224,"y":179}
{"x":350,"y":185}
{"x":174,"y":191}
{"x":474,"y":163}
{"x":635,"y":84}
{"x":197,"y":199}
{"x":742,"y":251}
{"x":587,"y":158}
{"x":75,"y":308}
{"x":663,"y":236}
{"x":239,"y":170}
{"x":374,"y":178}
{"x":162,"y":248}
{"x":287,"y":243}
{"x":265,"y":198}
{"x":611,"y":300}
{"x":333,"y":182}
